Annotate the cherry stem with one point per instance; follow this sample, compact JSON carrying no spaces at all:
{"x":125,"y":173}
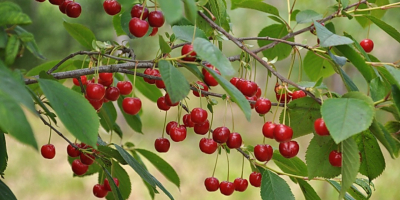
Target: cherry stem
{"x":211,"y":123}
{"x":227,"y":159}
{"x":233,"y":120}
{"x":291,"y":63}
{"x":266,"y":86}
{"x":194,"y":33}
{"x":226,"y":110}
{"x":155,"y":5}
{"x":276,"y":110}
{"x":112,"y":52}
{"x":50,"y":129}
{"x":289,"y":13}
{"x":215,"y":165}
{"x":241,"y":176}
{"x":144,"y":7}
{"x":255,"y":70}
{"x":134,"y":80}
{"x":165,"y":121}
{"x":284,"y":109}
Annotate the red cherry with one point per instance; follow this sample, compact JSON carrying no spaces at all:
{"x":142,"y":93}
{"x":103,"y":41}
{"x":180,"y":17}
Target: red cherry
{"x":240,"y":184}
{"x":263,"y":152}
{"x":138,"y":27}
{"x":205,"y":88}
{"x":186,"y":49}
{"x":283,"y":133}
{"x":95,"y":91}
{"x":178,"y":133}
{"x":262,"y":106}
{"x":187,"y":121}
{"x":125,"y":87}
{"x":248,"y":88}
{"x":72,"y":152}
{"x":258,"y":93}
{"x":234,"y":80}
{"x":151,"y":72}
{"x":154,"y":31}
{"x":170,"y":125}
{"x":239,"y":83}
{"x":289,"y":149}
{"x":234,"y":140}
{"x":268,"y":129}
{"x":106,"y":83}
{"x":208,"y":145}
{"x":226,"y":188}
{"x":56,"y":2}
{"x":202,"y":128}
{"x":253,"y":98}
{"x":169,"y":102}
{"x":137,"y":10}
{"x":320,"y":127}
{"x":48,"y":151}
{"x":198,"y":115}
{"x":99,"y":191}
{"x":212,"y":184}
{"x":78,"y":167}
{"x":132,"y":105}
{"x":106,"y":76}
{"x":107,"y":184}
{"x":83,"y":80}
{"x":112,"y":93}
{"x":160,"y":83}
{"x":162,"y":145}
{"x":162,"y":105}
{"x":97,"y":104}
{"x":209,"y":79}
{"x":87,"y":159}
{"x":63,"y":6}
{"x":335,"y":158}
{"x":221,"y":134}
{"x":73,"y":10}
{"x":367,"y":45}
{"x":298,"y":94}
{"x":156,"y":18}
{"x":111,"y":7}
{"x":255,"y":179}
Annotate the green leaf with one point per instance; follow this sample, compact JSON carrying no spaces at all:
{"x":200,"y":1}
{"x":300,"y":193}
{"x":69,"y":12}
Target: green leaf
{"x":12,"y":49}
{"x":392,"y":109}
{"x":165,"y":168}
{"x":350,"y":165}
{"x":119,"y":172}
{"x":340,"y":115}
{"x":171,"y":13}
{"x":76,"y":113}
{"x":307,"y":16}
{"x":114,"y":189}
{"x":117,"y":24}
{"x":396,"y":96}
{"x":338,"y":187}
{"x":347,"y":80}
{"x":256,"y":5}
{"x":195,"y":70}
{"x":385,"y":27}
{"x":378,"y":89}
{"x":274,"y":187}
{"x":149,"y":91}
{"x":80,"y":33}
{"x":30,"y":45}
{"x":292,"y":166}
{"x":175,"y":83}
{"x":108,"y":116}
{"x":362,"y":20}
{"x":235,"y":95}
{"x":218,"y":8}
{"x":339,"y":60}
{"x":385,"y":138}
{"x":125,"y":19}
{"x":294,"y":15}
{"x":308,"y":191}
{"x":133,"y":121}
{"x":5,"y":192}
{"x":190,"y":10}
{"x":185,"y":33}
{"x":3,"y":153}
{"x":317,"y":67}
{"x":391,"y":74}
{"x":365,"y":185}
{"x":12,"y":15}
{"x":392,"y":126}
{"x":3,"y":38}
{"x":372,"y":160}
{"x":327,"y":38}
{"x":281,"y":50}
{"x":207,"y":51}
{"x":111,"y":153}
{"x":165,"y":48}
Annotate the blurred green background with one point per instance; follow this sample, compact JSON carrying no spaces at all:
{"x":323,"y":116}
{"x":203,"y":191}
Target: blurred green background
{"x":32,"y":177}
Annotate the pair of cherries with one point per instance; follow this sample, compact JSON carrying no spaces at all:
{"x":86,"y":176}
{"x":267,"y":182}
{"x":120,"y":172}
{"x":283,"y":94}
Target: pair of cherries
{"x":101,"y":190}
{"x":138,"y":26}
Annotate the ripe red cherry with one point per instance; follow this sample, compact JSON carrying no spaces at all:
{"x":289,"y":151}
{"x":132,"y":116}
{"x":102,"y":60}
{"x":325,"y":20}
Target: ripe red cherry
{"x":106,"y":76}
{"x":262,"y":106}
{"x":83,"y":80}
{"x":162,"y":105}
{"x":208,"y":146}
{"x":367,"y":45}
{"x":240,"y":184}
{"x":298,"y":94}
{"x":255,"y":179}
{"x":97,"y":104}
{"x":87,"y":159}
{"x":289,"y":149}
{"x":138,"y":27}
{"x":248,"y":88}
{"x":111,"y":7}
{"x":221,"y":134}
{"x":95,"y":91}
{"x":187,"y":48}
{"x":107,"y":184}
{"x":234,"y":80}
{"x":63,"y":6}
{"x":48,"y":151}
{"x":335,"y":158}
{"x":156,"y":18}
{"x":263,"y":152}
{"x":209,"y":79}
{"x":162,"y":145}
{"x":78,"y":167}
{"x":56,"y":2}
{"x":72,"y":152}
{"x":202,"y":128}
{"x":112,"y":93}
{"x":268,"y":130}
{"x":234,"y":140}
{"x":187,"y":120}
{"x":212,"y":184}
{"x":106,"y":83}
{"x":151,"y":72}
{"x":320,"y":127}
{"x":283,"y":133}
{"x":160,"y":83}
{"x":132,"y":105}
{"x":205,"y":88}
{"x":154,"y":31}
{"x":198,"y":115}
{"x":99,"y":191}
{"x":170,"y":125}
{"x":137,"y":10}
{"x":73,"y":10}
{"x":125,"y":87}
{"x":258,"y":93}
{"x":169,"y":102}
{"x":226,"y":188}
{"x":178,"y":133}
{"x":239,"y":83}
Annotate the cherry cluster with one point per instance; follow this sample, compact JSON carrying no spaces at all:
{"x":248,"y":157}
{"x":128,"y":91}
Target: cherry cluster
{"x":138,"y":26}
{"x":70,"y":8}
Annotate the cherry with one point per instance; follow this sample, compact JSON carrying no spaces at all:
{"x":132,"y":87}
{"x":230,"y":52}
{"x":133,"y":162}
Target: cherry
{"x":212,"y":184}
{"x":289,"y":149}
{"x":169,"y":102}
{"x":367,"y":45}
{"x":48,"y":151}
{"x":125,"y":87}
{"x":162,"y":105}
{"x":234,"y":140}
{"x":263,"y":152}
{"x":99,"y":191}
{"x":253,"y":98}
{"x":262,"y":106}
{"x":106,"y":83}
{"x":255,"y":179}
{"x":187,"y":121}
{"x":178,"y":133}
{"x":221,"y":134}
{"x":151,"y":72}
{"x":170,"y":125}
{"x":283,"y":133}
{"x":156,"y":18}
{"x":106,"y":76}
{"x":40,"y":0}
{"x":63,"y":6}
{"x":95,"y":91}
{"x":258,"y":93}
{"x":107,"y":184}
{"x":160,"y":83}
{"x":234,"y":80}
{"x":335,"y":158}
{"x":268,"y":129}
{"x":78,"y":167}
{"x":162,"y":145}
{"x":111,"y":7}
{"x":239,"y":83}
{"x":87,"y":159}
{"x":137,"y":10}
{"x":208,"y":145}
{"x":112,"y":93}
{"x":72,"y":152}
{"x":205,"y":88}
{"x":226,"y":188}
{"x":320,"y":127}
{"x":83,"y":80}
{"x":240,"y":184}
{"x":131,"y":105}
{"x":248,"y":88}
{"x":198,"y":115}
{"x":73,"y":10}
{"x":209,"y":79}
{"x":56,"y":2}
{"x":186,"y":49}
{"x":138,"y":27}
{"x":154,"y":31}
{"x":298,"y":94}
{"x":285,"y":97}
{"x":97,"y":104}
{"x":202,"y":128}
